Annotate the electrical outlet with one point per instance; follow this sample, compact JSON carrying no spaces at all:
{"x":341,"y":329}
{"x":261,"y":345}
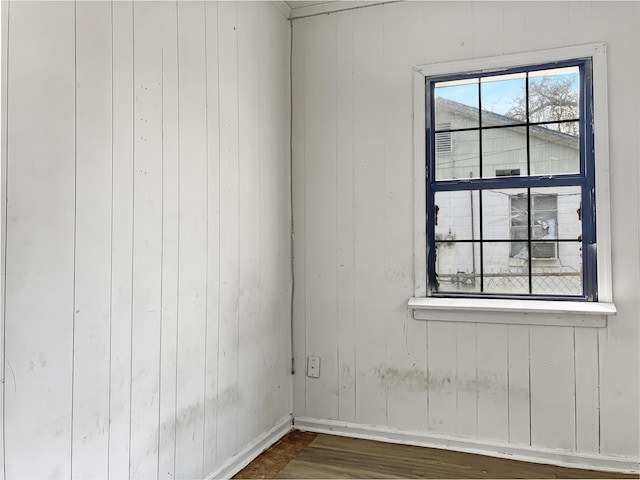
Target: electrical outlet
{"x":313,"y":367}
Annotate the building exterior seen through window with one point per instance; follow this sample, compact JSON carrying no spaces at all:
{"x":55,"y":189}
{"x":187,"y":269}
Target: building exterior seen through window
{"x":510,"y":171}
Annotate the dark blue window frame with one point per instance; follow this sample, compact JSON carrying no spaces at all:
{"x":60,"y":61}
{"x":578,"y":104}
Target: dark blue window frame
{"x":585,"y":180}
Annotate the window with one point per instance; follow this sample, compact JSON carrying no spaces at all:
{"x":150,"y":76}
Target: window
{"x":510,"y":153}
{"x":522,"y":138}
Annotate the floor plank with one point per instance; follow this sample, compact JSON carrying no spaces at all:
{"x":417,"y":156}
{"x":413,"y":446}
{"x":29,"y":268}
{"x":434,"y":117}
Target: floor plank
{"x":275,"y":458}
{"x":305,"y":455}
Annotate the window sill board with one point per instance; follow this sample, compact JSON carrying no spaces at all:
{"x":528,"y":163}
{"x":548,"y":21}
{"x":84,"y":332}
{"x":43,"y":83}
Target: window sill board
{"x":518,"y":312}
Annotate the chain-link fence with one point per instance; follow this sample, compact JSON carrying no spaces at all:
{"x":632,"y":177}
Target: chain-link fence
{"x":558,"y":283}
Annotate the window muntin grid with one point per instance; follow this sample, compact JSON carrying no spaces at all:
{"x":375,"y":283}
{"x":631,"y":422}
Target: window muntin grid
{"x":514,"y":148}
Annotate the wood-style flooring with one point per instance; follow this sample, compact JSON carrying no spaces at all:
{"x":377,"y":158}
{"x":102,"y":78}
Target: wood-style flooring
{"x":307,"y":455}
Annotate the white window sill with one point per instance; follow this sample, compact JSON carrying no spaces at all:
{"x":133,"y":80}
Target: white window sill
{"x":518,"y":312}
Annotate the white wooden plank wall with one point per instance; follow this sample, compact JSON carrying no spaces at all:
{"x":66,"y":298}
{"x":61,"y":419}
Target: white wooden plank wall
{"x":560,"y":388}
{"x":40,"y":241}
{"x":94,"y":183}
{"x":148,"y":236}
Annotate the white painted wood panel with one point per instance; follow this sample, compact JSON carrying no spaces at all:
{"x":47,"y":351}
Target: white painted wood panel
{"x":274,"y":361}
{"x":493,"y":388}
{"x":192,"y":235}
{"x":519,"y":394}
{"x":467,"y":379}
{"x":4,"y":22}
{"x":539,"y":22}
{"x":298,"y":160}
{"x":170,"y":245}
{"x":40,"y":241}
{"x":320,"y":235}
{"x":442,"y":377}
{"x":406,"y":338}
{"x":552,"y":387}
{"x":513,"y":26}
{"x":587,"y":375}
{"x":250,"y":369}
{"x":344,"y":218}
{"x":488,"y":21}
{"x":122,"y":241}
{"x":213,"y":238}
{"x":368,"y":132}
{"x":228,"y":394}
{"x":147,"y":240}
{"x":92,"y":310}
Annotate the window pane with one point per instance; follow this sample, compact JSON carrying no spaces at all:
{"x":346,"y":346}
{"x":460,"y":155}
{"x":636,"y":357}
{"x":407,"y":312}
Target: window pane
{"x":456,"y":103}
{"x":501,"y":272}
{"x":463,"y":161}
{"x":504,"y":214}
{"x":555,"y":148}
{"x":555,"y":213}
{"x":458,"y":267}
{"x":504,"y":152}
{"x":457,"y":212}
{"x":554,"y":94}
{"x":562,"y":278}
{"x":503,"y":99}
{"x":544,"y":226}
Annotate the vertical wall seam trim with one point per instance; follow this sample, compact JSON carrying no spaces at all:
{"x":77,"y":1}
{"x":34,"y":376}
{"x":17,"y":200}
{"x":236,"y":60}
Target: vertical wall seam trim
{"x":237,"y":30}
{"x":353,"y":209}
{"x":508,"y":386}
{"x":6,"y":246}
{"x":384,"y":218}
{"x":206,"y":280}
{"x":529,"y":365}
{"x":338,"y":317}
{"x":175,"y":405}
{"x":75,"y":217}
{"x":304,"y":211}
{"x":161,"y":249}
{"x":575,"y":395}
{"x":219,"y":226}
{"x":292,"y":219}
{"x":133,"y":212}
{"x":599,"y":391}
{"x":111,"y":263}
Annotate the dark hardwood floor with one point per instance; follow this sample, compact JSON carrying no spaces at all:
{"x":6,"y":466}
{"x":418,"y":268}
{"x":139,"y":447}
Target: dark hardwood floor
{"x":307,"y":455}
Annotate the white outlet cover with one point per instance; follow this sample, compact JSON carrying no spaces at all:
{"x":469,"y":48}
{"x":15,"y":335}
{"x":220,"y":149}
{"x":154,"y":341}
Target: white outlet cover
{"x":313,"y":367}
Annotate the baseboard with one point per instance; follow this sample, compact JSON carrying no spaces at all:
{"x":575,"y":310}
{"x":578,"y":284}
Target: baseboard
{"x":494,"y":449}
{"x":251,"y":451}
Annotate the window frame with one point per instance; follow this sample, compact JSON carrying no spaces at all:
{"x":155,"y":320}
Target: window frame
{"x":428,"y":306}
{"x":583,"y":179}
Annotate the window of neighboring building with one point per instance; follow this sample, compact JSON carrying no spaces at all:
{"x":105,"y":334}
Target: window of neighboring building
{"x":510,"y":183}
{"x":544,"y":227}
